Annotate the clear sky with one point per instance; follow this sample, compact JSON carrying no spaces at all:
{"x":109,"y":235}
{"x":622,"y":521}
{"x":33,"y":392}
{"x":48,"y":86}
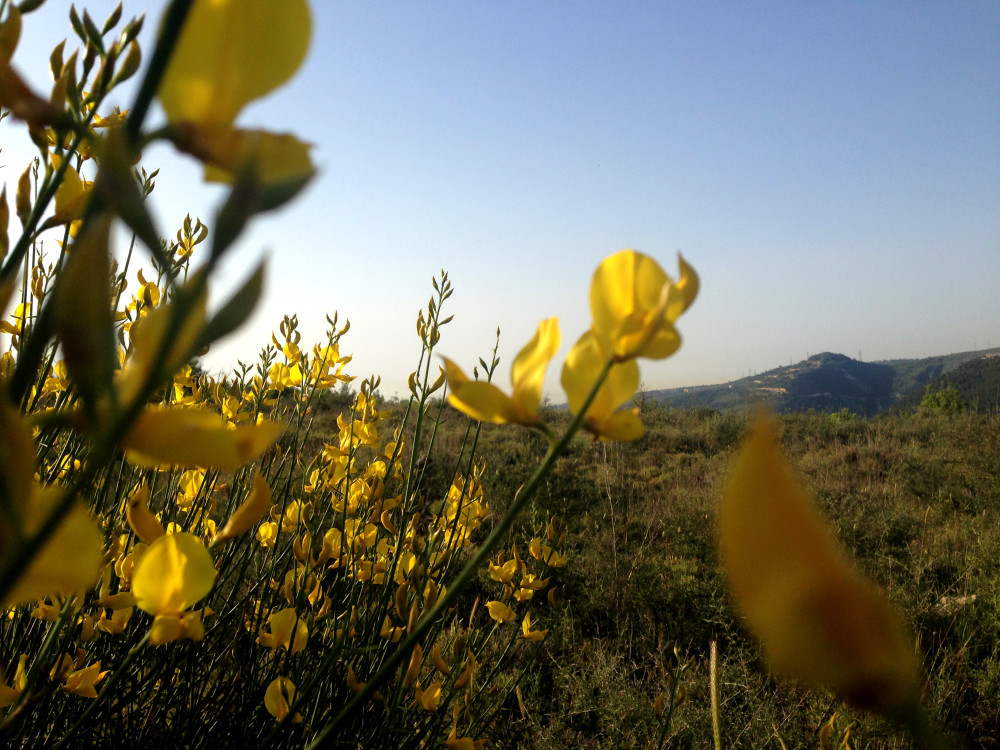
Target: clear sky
{"x":832,"y":170}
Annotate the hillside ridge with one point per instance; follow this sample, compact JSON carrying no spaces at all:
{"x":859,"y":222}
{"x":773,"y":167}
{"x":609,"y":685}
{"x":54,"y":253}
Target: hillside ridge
{"x":830,"y":382}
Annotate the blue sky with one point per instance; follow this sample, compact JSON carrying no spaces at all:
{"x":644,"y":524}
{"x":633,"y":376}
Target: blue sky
{"x":832,"y":170}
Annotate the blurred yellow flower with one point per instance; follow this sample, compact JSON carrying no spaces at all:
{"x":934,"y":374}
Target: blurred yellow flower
{"x":487,"y":403}
{"x":583,"y":365}
{"x":10,"y":693}
{"x":634,"y":305}
{"x":208,"y":83}
{"x":818,"y":618}
{"x":69,"y":562}
{"x":195,"y":437}
{"x":230,"y":53}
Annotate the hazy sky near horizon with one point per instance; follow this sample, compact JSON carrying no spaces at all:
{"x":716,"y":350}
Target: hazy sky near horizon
{"x":832,"y":170}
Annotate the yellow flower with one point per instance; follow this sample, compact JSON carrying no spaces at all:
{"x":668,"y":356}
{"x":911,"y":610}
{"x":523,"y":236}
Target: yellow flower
{"x":504,"y":573}
{"x":500,"y":612}
{"x":288,"y":631}
{"x":267,"y":534}
{"x":818,"y":618}
{"x":583,"y":366}
{"x":430,"y":698}
{"x":230,"y":53}
{"x":173,"y":574}
{"x":487,"y":403}
{"x":249,"y":513}
{"x":10,"y":693}
{"x":140,"y":518}
{"x":634,"y":305}
{"x":280,"y":694}
{"x":527,"y":632}
{"x":82,"y":681}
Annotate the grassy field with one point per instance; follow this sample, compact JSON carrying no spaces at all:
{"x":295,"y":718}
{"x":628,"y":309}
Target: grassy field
{"x":916,"y":499}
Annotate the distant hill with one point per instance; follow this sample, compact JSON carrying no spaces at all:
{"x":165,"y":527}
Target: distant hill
{"x":831,"y":382}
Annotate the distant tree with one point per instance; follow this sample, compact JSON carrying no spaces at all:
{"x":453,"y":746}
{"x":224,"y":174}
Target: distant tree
{"x":946,"y":400}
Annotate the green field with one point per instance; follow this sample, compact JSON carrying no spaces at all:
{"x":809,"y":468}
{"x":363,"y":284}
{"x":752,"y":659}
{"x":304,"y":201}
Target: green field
{"x":916,"y":499}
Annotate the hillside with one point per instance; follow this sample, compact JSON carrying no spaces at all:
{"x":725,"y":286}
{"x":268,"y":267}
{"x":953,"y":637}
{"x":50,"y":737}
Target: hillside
{"x":831,"y":382}
{"x":977,"y":382}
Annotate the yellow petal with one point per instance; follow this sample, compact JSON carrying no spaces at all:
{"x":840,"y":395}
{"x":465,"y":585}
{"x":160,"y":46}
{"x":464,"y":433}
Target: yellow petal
{"x":165,"y":629}
{"x":195,"y":437}
{"x":280,"y":694}
{"x":273,"y":157}
{"x":819,"y":620}
{"x":413,"y":670}
{"x":250,"y":511}
{"x":141,"y":519}
{"x":288,"y":631}
{"x":439,"y":662}
{"x":231,"y":52}
{"x":479,"y":399}
{"x":528,"y":370}
{"x":683,"y":292}
{"x":173,"y":574}
{"x":68,"y":563}
{"x":582,"y":367}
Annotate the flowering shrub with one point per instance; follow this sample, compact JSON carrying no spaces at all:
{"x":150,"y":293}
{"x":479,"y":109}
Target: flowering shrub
{"x":183,"y":550}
